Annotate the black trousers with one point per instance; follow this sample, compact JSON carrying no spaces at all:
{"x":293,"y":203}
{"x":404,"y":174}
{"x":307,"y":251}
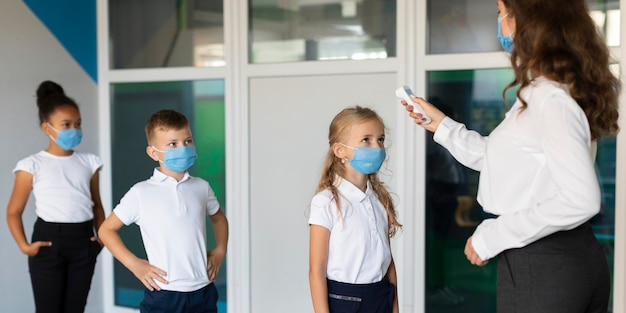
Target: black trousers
{"x":61,"y":274}
{"x":360,"y":298}
{"x":566,"y":272}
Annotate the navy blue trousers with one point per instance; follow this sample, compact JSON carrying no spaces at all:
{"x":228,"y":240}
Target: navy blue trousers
{"x":566,"y":272}
{"x":203,"y":300}
{"x":61,"y":274}
{"x":360,"y":298}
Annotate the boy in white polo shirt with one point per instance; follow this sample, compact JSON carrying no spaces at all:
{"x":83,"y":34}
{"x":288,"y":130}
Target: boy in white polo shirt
{"x":170,"y":209}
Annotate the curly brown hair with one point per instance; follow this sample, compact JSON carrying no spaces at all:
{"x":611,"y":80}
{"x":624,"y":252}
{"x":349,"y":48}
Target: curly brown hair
{"x":559,"y":40}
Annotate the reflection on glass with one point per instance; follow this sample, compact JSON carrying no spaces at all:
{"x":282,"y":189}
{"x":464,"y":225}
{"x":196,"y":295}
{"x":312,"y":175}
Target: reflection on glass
{"x":474,"y":97}
{"x":606,"y":14}
{"x":465,"y":26}
{"x":290,"y":31}
{"x":460,"y":26}
{"x":166,"y":33}
{"x":132,"y":103}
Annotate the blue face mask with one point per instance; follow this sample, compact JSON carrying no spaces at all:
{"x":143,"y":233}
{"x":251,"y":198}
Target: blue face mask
{"x":505,"y":42}
{"x":179,"y":159}
{"x":67,"y":139}
{"x":367,"y":160}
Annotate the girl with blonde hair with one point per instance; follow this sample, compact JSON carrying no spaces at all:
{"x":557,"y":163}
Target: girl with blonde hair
{"x":352,"y":219}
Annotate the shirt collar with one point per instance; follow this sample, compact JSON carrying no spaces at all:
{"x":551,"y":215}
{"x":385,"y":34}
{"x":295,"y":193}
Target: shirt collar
{"x":543,"y":80}
{"x":160,"y":177}
{"x":352,"y":192}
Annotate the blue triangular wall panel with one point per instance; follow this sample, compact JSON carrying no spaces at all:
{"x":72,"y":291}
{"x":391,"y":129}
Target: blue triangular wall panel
{"x":73,"y":23}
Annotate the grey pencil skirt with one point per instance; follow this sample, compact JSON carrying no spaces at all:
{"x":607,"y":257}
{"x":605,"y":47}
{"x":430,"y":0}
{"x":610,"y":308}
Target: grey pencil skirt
{"x":565,"y":272}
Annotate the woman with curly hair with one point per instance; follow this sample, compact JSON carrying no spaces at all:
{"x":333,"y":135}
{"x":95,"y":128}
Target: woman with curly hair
{"x":537,"y":166}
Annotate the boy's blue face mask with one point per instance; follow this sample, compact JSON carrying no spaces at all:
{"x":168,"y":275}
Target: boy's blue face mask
{"x":179,"y":159}
{"x":505,"y":42}
{"x":67,"y":139}
{"x":367,"y":160}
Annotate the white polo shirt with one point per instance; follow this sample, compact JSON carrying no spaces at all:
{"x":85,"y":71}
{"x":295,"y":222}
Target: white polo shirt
{"x":61,"y":185}
{"x":358,"y":248}
{"x":172,"y":218}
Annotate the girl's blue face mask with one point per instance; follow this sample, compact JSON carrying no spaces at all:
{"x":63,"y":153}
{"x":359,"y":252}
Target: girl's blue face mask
{"x":179,"y":159}
{"x":505,"y":42}
{"x":367,"y":160}
{"x":67,"y":139}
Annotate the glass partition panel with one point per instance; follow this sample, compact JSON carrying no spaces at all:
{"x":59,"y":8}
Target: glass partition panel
{"x":166,"y":33}
{"x":466,"y":26}
{"x":132,"y":103}
{"x":606,"y":14}
{"x":473,"y":97}
{"x":603,"y":224}
{"x":305,"y":30}
{"x":462,"y":26}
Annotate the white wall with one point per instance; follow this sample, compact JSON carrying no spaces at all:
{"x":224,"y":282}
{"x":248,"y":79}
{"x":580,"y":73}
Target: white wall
{"x":29,"y":54}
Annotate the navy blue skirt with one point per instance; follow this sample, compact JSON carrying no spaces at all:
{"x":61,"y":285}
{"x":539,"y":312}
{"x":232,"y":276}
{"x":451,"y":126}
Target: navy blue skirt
{"x":362,"y":298}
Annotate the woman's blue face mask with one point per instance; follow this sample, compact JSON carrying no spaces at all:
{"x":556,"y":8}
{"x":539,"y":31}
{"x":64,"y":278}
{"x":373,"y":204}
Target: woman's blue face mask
{"x":505,"y":41}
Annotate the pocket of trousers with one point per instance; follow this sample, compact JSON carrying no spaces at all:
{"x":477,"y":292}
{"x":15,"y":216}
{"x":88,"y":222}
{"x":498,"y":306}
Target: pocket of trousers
{"x":94,"y":248}
{"x":43,"y":252}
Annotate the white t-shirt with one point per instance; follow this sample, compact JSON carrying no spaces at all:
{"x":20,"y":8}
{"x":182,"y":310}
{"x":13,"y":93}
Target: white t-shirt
{"x":172,"y":218}
{"x":358,"y":248}
{"x":61,"y":185}
{"x":536,"y":169}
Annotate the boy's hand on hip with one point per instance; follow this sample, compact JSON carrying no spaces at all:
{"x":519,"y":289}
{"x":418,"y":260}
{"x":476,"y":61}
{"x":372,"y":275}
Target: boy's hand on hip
{"x":148,"y":273}
{"x":214,"y":261}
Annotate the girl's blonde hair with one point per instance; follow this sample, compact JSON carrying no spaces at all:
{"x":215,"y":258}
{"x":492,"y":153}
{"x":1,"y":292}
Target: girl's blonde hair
{"x":333,"y":168}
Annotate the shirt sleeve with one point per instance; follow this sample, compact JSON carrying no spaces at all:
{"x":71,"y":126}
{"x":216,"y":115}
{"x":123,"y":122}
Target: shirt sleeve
{"x":565,"y":140}
{"x":27,"y":165}
{"x":212,"y":204}
{"x":128,"y":210}
{"x":95,"y":163}
{"x":320,"y":212}
{"x":466,"y":146}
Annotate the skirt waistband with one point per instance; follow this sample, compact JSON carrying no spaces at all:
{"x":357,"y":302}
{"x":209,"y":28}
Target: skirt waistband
{"x":365,"y":288}
{"x":577,"y":241}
